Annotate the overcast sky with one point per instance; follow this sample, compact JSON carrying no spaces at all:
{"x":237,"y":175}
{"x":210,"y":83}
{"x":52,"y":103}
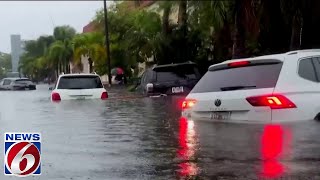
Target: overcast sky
{"x":32,"y":19}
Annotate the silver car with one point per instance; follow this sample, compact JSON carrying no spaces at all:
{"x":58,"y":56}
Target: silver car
{"x":17,"y":84}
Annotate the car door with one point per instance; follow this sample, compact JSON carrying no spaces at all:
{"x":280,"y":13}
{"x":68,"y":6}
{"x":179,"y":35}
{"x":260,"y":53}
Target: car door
{"x":6,"y":84}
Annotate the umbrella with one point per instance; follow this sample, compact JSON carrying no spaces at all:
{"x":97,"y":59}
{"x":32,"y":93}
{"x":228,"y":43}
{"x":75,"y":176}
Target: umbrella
{"x":116,"y":71}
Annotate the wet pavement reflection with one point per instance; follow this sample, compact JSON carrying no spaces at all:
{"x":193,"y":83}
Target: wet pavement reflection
{"x":131,"y":137}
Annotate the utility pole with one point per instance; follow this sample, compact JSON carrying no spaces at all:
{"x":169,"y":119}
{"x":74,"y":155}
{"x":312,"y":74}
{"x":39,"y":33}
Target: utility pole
{"x":107,"y":40}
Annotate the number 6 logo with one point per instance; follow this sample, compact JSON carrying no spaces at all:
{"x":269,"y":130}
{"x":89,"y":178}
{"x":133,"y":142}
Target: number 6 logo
{"x":22,"y":159}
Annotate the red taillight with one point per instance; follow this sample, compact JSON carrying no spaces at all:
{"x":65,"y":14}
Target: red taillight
{"x":56,"y":97}
{"x":104,"y":95}
{"x":188,"y":103}
{"x":239,"y":63}
{"x":275,"y":101}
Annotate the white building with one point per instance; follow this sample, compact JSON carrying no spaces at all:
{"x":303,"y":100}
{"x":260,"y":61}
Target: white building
{"x":16,"y":51}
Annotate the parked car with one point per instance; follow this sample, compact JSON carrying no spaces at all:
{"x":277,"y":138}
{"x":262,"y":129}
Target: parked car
{"x":170,"y":79}
{"x":17,"y":84}
{"x":78,"y":86}
{"x":273,"y":88}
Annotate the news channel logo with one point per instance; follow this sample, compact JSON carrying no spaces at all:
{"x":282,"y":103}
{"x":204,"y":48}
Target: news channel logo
{"x":22,"y":154}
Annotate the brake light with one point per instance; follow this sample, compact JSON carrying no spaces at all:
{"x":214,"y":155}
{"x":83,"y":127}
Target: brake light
{"x":273,"y":101}
{"x":239,"y":63}
{"x":149,"y":87}
{"x":56,"y":97}
{"x":104,"y":95}
{"x":188,"y":103}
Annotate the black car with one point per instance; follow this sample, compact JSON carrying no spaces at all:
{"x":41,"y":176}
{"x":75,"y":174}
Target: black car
{"x":170,"y":79}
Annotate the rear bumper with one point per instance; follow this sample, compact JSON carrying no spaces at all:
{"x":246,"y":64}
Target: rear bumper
{"x":168,"y":92}
{"x":31,"y":87}
{"x":207,"y":119}
{"x":193,"y":116}
{"x":95,"y":100}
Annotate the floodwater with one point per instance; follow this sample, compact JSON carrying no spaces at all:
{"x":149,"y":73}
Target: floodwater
{"x":130,"y":137}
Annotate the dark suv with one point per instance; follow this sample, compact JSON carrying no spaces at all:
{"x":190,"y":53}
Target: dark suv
{"x":170,"y":79}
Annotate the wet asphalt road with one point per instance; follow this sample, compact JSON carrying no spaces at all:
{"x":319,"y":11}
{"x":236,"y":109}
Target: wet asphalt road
{"x":144,"y":138}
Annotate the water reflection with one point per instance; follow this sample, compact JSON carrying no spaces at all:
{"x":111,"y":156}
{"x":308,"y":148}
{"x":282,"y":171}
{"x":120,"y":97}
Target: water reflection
{"x":187,"y":148}
{"x":275,"y":145}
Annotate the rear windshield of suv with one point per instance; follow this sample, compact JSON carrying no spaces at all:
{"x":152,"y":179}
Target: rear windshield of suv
{"x":250,"y":77}
{"x":23,"y":81}
{"x":80,"y":82}
{"x":173,"y":73}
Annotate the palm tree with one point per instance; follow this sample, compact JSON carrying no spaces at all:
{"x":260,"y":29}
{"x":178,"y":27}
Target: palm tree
{"x":166,"y":7}
{"x":244,"y":20}
{"x":211,"y":21}
{"x":91,"y":45}
{"x":60,"y":54}
{"x":63,"y":33}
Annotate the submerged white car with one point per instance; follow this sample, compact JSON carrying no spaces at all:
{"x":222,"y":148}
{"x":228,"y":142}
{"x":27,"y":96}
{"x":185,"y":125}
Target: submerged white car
{"x":78,"y":86}
{"x":274,"y":88}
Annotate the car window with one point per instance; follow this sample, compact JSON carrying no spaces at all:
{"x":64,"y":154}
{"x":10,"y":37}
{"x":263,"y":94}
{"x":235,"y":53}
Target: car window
{"x":175,"y":73}
{"x":6,"y":82}
{"x":80,"y":82}
{"x":316,"y":62}
{"x":250,"y":76}
{"x":23,"y":81}
{"x":307,"y":70}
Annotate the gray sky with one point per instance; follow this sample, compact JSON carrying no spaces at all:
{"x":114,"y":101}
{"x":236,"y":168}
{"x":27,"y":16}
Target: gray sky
{"x":32,"y":19}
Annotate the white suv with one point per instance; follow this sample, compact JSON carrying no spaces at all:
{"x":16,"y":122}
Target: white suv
{"x":273,"y":88}
{"x":78,"y":86}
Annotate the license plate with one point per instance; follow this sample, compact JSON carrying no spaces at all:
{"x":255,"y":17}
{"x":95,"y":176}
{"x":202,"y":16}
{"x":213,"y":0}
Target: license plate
{"x":177,"y":89}
{"x":220,"y":115}
{"x":81,"y":98}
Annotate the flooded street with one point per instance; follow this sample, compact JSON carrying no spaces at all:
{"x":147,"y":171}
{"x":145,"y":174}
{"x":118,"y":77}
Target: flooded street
{"x":144,"y":138}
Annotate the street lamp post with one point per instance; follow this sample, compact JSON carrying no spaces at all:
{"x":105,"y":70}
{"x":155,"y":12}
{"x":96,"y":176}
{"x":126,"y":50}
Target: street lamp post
{"x":107,"y":40}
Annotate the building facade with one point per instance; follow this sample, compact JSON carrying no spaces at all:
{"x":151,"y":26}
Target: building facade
{"x":16,"y":51}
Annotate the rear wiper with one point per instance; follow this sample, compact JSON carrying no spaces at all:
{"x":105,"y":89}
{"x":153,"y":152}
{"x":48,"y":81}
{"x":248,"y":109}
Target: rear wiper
{"x":230,"y":88}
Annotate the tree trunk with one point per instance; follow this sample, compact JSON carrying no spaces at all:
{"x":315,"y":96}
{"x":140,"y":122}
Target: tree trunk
{"x":275,"y":35}
{"x":311,"y":27}
{"x":68,"y":67}
{"x":165,"y":20}
{"x":90,"y":65}
{"x":57,"y":70}
{"x":295,"y":33}
{"x":182,"y":16}
{"x":165,"y":33}
{"x":238,"y":50}
{"x":65,"y":67}
{"x":60,"y":67}
{"x":222,"y":43}
{"x":182,"y":22}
